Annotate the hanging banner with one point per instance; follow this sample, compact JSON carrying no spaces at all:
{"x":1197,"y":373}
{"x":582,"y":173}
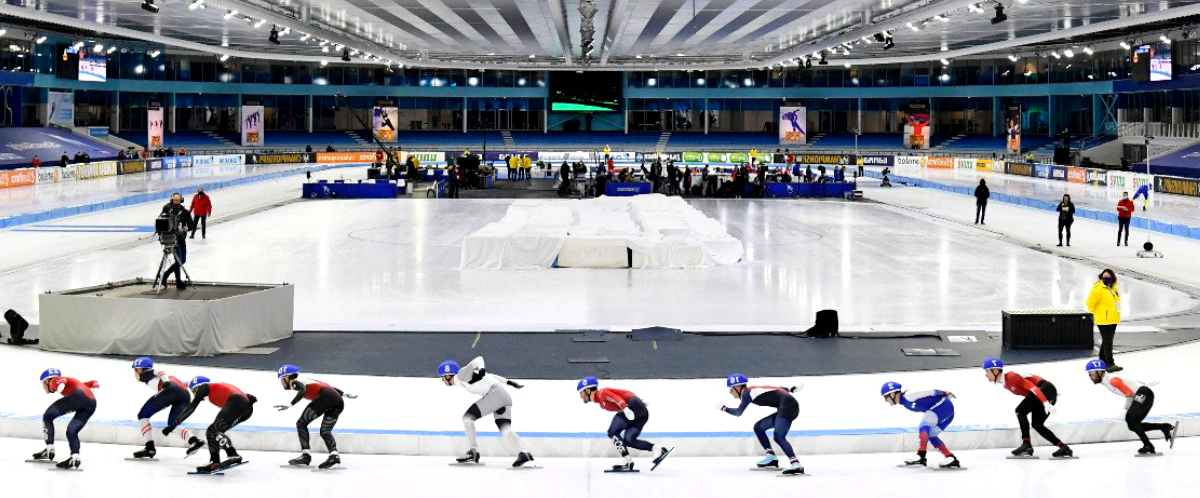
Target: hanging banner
{"x":792,"y":125}
{"x":917,"y":126}
{"x":154,"y":128}
{"x":252,"y":126}
{"x":1013,"y":125}
{"x":383,"y":122}
{"x":61,"y":109}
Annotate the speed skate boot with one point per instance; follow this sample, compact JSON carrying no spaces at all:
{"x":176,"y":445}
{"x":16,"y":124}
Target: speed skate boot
{"x":523,"y":458}
{"x":231,"y":461}
{"x":663,"y":452}
{"x":794,"y":468}
{"x":147,"y":452}
{"x":46,"y":454}
{"x":194,"y":445}
{"x":472,"y":456}
{"x":951,"y":462}
{"x":768,"y":461}
{"x":1025,"y":450}
{"x":333,"y":461}
{"x":1063,"y":451}
{"x":624,"y":467}
{"x":209,"y":467}
{"x":301,"y":461}
{"x":1146,"y":450}
{"x":70,"y":463}
{"x":919,"y":462}
{"x":1169,"y":434}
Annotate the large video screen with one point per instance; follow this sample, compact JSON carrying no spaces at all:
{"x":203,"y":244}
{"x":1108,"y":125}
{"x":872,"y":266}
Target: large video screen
{"x":590,"y":91}
{"x":93,"y":68}
{"x":1152,"y":62}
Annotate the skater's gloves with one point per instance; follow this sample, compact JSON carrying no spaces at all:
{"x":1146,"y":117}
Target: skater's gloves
{"x":351,"y":396}
{"x":515,"y":384}
{"x":1128,"y":402}
{"x":721,"y":406}
{"x":948,"y":394}
{"x":1050,"y":409}
{"x":628,"y":413}
{"x":798,"y":387}
{"x":282,"y":407}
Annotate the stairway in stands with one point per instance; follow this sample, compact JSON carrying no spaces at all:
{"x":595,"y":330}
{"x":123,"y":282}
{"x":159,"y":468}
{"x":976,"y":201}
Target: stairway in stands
{"x":949,"y":141}
{"x":224,"y":141}
{"x":662,"y":141}
{"x":509,"y":144}
{"x":358,"y":139}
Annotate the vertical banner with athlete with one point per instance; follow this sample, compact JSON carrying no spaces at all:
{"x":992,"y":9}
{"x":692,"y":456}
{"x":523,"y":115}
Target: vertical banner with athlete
{"x":383,"y":123}
{"x":252,"y":126}
{"x":918,"y":127}
{"x":154,"y":128}
{"x":61,"y":109}
{"x":1012,"y":128}
{"x":793,"y":124}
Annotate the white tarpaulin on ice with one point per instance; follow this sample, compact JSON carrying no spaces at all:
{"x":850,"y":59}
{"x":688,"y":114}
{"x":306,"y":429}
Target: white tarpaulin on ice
{"x":645,"y":231}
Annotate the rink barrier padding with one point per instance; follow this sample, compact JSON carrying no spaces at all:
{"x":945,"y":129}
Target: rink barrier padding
{"x":65,"y":212}
{"x":1176,"y":229}
{"x":597,"y":444}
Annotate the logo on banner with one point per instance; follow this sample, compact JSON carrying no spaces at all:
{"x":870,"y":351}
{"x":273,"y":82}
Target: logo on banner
{"x":792,"y":125}
{"x":839,"y":159}
{"x":910,"y":161}
{"x":1041,"y":170}
{"x":876,"y":160}
{"x":1097,"y":177}
{"x":1018,"y":168}
{"x":280,"y":158}
{"x":939,"y":162}
{"x":1058,"y":173}
{"x":252,"y":125}
{"x":1179,"y":186}
{"x":1077,"y":175}
{"x":47,"y":175}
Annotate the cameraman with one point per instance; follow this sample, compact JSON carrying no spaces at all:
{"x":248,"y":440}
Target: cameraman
{"x":183,"y":220}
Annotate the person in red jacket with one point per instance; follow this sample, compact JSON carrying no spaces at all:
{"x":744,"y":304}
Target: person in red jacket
{"x":1124,"y":214}
{"x":201,"y":209}
{"x":626,"y":425}
{"x":77,"y":397}
{"x":236,"y":407}
{"x":36,"y":163}
{"x":1039,"y":395}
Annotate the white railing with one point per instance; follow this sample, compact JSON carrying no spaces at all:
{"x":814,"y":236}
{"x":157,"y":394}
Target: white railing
{"x":1159,"y":130}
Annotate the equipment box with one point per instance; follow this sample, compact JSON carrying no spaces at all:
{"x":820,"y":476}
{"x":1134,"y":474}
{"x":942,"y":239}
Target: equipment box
{"x":1047,"y":329}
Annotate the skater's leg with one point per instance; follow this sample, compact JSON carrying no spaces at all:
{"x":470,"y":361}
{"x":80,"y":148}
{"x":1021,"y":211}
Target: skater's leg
{"x":152,"y":406}
{"x":306,"y":418}
{"x":329,"y":420}
{"x":173,"y":417}
{"x":1031,"y":404}
{"x":760,"y":431}
{"x":936,"y":429}
{"x":632,"y":441}
{"x":616,"y":430}
{"x":56,"y":409}
{"x":508,"y":437}
{"x":468,"y":419}
{"x":84,"y":408}
{"x":782,"y":426}
{"x":641,"y":415}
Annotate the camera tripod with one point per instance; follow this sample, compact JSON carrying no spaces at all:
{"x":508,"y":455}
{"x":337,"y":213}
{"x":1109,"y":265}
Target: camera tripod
{"x":169,"y":254}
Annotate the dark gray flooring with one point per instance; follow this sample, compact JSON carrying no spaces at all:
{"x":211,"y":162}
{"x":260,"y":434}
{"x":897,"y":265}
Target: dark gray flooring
{"x":548,"y":356}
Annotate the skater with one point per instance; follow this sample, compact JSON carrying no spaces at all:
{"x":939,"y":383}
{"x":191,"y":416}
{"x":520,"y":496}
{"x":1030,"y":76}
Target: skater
{"x":326,"y":402}
{"x":168,"y":392}
{"x":495,"y":401}
{"x":1040,"y":396}
{"x":1066,"y":217}
{"x":626,"y":425}
{"x":981,"y":200}
{"x":1143,"y":192}
{"x":77,"y":397}
{"x":236,"y":407}
{"x":787,"y":409}
{"x":939,"y":412}
{"x":1138,"y":401}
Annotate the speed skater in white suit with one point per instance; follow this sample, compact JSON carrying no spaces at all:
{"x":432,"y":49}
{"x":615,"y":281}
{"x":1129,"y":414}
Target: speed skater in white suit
{"x":495,"y":400}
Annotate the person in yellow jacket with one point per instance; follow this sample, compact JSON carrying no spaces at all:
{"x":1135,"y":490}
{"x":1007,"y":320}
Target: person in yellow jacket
{"x":512,"y":167}
{"x":1103,"y":302}
{"x":526,"y":167}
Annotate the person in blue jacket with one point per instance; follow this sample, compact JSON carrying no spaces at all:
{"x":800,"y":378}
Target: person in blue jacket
{"x":787,"y":409}
{"x":938,"y":413}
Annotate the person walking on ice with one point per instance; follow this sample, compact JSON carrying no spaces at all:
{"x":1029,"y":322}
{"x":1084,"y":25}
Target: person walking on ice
{"x":627,"y":423}
{"x":495,"y":401}
{"x":1039,"y":395}
{"x":937,"y":412}
{"x":325,"y":403}
{"x":235,"y":407}
{"x":76,"y":398}
{"x":787,"y":409}
{"x":1138,"y":401}
{"x":168,"y":392}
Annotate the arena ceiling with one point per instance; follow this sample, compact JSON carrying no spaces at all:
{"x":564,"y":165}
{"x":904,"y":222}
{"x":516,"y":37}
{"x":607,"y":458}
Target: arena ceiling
{"x":629,"y":34}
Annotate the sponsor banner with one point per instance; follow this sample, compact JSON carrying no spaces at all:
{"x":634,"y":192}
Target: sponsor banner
{"x":108,"y":168}
{"x":344,"y":157}
{"x":230,"y":159}
{"x":918,"y":127}
{"x":793,"y":125}
{"x":62,"y":109}
{"x":252,"y":126}
{"x":1012,"y":128}
{"x":171,"y":162}
{"x":876,"y":160}
{"x":67,"y":173}
{"x":1077,"y":175}
{"x":47,"y":175}
{"x":933,"y":162}
{"x":641,"y":157}
{"x":1174,"y":185}
{"x":1042,"y":170}
{"x":383,"y":122}
{"x":98,"y":131}
{"x":156,"y":165}
{"x":716,"y":157}
{"x":837,"y":159}
{"x":910,"y":161}
{"x":558,"y":157}
{"x":499,"y":155}
{"x":154,"y":128}
{"x":129,"y":167}
{"x":989,"y":165}
{"x":1128,"y":181}
{"x":1058,"y":173}
{"x":291,"y":158}
{"x":693,"y":157}
{"x":18,"y":177}
{"x":160,"y":164}
{"x":1097,"y":176}
{"x":95,"y":170}
{"x":965,"y":163}
{"x":1018,"y":168}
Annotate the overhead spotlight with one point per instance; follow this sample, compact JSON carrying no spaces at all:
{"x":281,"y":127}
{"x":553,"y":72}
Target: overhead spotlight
{"x":974,"y":8}
{"x":1124,"y":45}
{"x":846,"y":65}
{"x":305,"y":37}
{"x":942,"y":18}
{"x":1069,"y":53}
{"x":40,"y":40}
{"x":1054,"y":54}
{"x":261,"y":22}
{"x":224,"y":57}
{"x":888,"y":43}
{"x":153,"y":53}
{"x":1088,"y":50}
{"x":325,"y":50}
{"x":324,"y":63}
{"x":78,"y":45}
{"x":823,"y":62}
{"x":1164,"y":39}
{"x":879,"y":37}
{"x":1000,"y":15}
{"x":346,"y":55}
{"x":110,"y":50}
{"x":532,"y":56}
{"x":148,"y":6}
{"x":913,"y":27}
{"x":807,"y":63}
{"x":230,"y":14}
{"x":139,"y":69}
{"x":274,"y":37}
{"x":945,"y":62}
{"x":1012,"y":57}
{"x":98,"y":48}
{"x":196,"y":5}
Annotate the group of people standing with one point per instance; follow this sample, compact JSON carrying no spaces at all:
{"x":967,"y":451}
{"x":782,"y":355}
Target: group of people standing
{"x":1066,"y":212}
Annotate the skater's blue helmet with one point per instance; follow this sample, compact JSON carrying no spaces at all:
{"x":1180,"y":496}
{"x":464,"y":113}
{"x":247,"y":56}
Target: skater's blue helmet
{"x":1097,"y":366}
{"x":736,"y":380}
{"x":448,"y":368}
{"x":197,"y":381}
{"x":143,"y":363}
{"x":889,"y":388}
{"x":586,"y":382}
{"x":287,"y":370}
{"x":51,"y":373}
{"x":992,"y":363}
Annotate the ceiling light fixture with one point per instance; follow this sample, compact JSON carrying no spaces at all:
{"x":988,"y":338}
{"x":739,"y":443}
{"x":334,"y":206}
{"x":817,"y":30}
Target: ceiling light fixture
{"x":40,"y":40}
{"x":888,"y":43}
{"x":110,"y":50}
{"x":148,"y":6}
{"x":346,"y":55}
{"x":1124,"y":45}
{"x":1012,"y":57}
{"x":1069,"y":53}
{"x":196,"y":5}
{"x":261,"y":22}
{"x":1164,"y":39}
{"x":153,"y":53}
{"x":224,"y":58}
{"x":945,"y":62}
{"x":274,"y":36}
{"x":230,"y":14}
{"x":1088,"y":50}
{"x":1000,"y":15}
